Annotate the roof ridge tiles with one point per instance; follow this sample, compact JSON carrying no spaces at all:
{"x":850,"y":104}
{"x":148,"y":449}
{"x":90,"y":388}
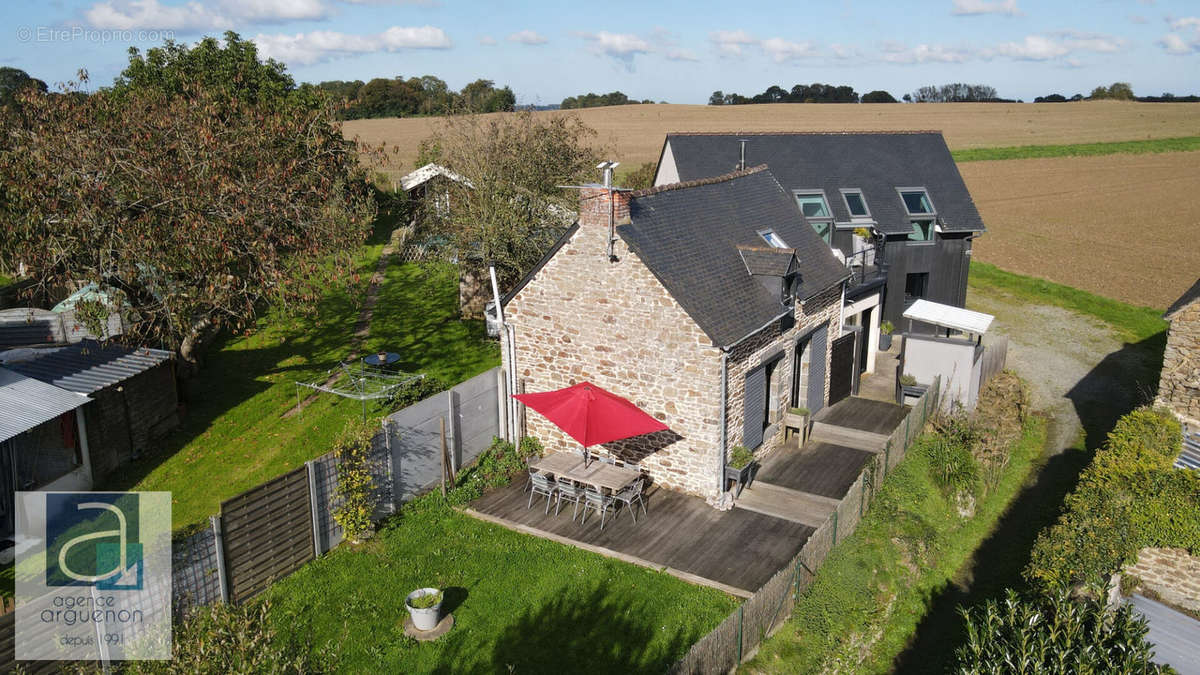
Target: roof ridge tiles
{"x":699,"y":181}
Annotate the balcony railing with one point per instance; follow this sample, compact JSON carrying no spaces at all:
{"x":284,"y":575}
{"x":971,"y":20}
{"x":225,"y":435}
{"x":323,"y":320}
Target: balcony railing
{"x":866,"y":266}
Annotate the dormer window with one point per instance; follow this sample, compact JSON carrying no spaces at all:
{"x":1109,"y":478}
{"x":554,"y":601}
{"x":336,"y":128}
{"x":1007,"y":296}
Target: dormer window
{"x":916,"y":202}
{"x":773,"y":239}
{"x":816,"y":211}
{"x":856,"y":205}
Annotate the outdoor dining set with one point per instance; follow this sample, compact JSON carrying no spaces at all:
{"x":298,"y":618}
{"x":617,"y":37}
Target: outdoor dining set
{"x":598,"y":485}
{"x":591,"y":416}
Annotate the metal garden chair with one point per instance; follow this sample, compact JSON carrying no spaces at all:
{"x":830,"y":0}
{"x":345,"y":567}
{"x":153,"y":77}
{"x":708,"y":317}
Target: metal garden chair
{"x":540,"y":484}
{"x":571,"y":492}
{"x":629,"y":495}
{"x":597,"y":501}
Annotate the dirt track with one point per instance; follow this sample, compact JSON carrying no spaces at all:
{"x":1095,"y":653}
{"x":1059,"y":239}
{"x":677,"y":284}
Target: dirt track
{"x":1122,"y":226}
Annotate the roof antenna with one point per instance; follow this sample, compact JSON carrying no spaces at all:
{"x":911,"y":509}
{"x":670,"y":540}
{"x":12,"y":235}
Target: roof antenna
{"x":742,"y":161}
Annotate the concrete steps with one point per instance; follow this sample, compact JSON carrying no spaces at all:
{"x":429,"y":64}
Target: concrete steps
{"x":780,"y":502}
{"x":846,"y":437}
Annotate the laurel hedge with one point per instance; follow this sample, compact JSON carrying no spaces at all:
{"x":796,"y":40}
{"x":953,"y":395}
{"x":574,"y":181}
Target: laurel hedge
{"x":1128,"y":498}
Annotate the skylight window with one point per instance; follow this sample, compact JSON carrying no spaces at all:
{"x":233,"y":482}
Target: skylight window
{"x":917,"y":202}
{"x":856,"y":204}
{"x":773,"y":239}
{"x":816,"y":211}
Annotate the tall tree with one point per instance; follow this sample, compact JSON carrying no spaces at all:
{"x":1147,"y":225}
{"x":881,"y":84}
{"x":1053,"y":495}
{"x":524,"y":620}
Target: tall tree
{"x":878,"y":96}
{"x":513,"y":207}
{"x":189,"y":206}
{"x":14,"y":81}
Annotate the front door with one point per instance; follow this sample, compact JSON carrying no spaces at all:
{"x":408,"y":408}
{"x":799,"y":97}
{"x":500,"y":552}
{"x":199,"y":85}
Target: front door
{"x":841,"y":368}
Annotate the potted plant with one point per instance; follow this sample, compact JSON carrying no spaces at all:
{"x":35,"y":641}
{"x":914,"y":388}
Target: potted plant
{"x":425,"y":607}
{"x":740,"y":466}
{"x":797,"y":418}
{"x":885,"y":334}
{"x":910,"y":387}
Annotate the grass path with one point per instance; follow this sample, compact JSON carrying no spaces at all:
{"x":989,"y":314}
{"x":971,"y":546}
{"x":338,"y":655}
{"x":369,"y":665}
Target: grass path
{"x":235,"y":435}
{"x":1180,"y":144}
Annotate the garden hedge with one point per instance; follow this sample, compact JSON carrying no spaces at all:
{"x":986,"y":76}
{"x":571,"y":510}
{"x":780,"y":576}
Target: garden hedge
{"x":1128,"y":498}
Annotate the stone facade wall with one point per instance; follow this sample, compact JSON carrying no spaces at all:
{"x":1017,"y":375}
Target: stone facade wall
{"x":1179,"y":385}
{"x":584,"y":317}
{"x":1171,"y":573}
{"x":824,"y":308}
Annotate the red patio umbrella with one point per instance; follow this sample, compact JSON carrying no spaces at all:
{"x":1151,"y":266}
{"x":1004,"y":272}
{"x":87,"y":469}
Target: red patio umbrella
{"x":590,"y":414}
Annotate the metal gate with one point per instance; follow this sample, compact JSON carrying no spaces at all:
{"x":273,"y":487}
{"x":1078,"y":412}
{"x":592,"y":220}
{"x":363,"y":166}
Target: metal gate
{"x":841,"y":368}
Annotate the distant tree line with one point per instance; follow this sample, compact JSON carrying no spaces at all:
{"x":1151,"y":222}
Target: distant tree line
{"x":426,"y":95}
{"x":1118,"y":91}
{"x":590,"y":100}
{"x":801,"y":93}
{"x":956,"y":92}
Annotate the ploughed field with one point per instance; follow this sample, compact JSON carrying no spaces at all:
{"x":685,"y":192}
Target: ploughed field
{"x":1122,"y":226}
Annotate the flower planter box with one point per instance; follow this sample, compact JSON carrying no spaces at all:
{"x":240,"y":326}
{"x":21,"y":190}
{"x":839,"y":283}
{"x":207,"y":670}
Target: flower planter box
{"x":798,"y":422}
{"x":742,"y":477}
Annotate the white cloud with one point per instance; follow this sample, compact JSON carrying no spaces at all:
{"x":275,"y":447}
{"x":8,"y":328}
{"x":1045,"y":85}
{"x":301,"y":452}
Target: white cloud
{"x":1184,"y":37}
{"x":1032,"y":48}
{"x":781,"y":50}
{"x":620,"y":46}
{"x":308,"y":48}
{"x":527,"y":37}
{"x":977,"y":7}
{"x":731,"y":42}
{"x":150,"y":15}
{"x":900,"y":54}
{"x":487,"y":41}
{"x":681,"y":55}
{"x":1091,"y":42}
{"x":844,"y":52}
{"x":198,"y":16}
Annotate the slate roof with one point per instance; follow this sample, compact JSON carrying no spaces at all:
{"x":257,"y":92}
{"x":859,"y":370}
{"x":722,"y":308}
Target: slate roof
{"x":689,"y":234}
{"x":1189,"y":296}
{"x":87,"y":366}
{"x":876,"y":163}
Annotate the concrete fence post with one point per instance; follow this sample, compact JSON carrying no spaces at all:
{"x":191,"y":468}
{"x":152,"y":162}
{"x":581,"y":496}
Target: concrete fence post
{"x":452,"y":417}
{"x":219,"y":545}
{"x":315,"y":510}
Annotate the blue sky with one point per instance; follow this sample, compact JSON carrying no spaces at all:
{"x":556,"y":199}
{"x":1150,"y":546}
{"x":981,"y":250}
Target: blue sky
{"x":667,"y":50}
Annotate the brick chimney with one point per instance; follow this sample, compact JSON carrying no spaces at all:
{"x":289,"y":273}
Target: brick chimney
{"x":595,"y":206}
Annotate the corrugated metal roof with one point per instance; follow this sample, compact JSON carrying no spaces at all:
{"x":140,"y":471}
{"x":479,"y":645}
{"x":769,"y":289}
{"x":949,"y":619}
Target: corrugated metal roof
{"x":26,"y":403}
{"x":87,"y":367}
{"x":948,"y":316}
{"x":429,"y":172}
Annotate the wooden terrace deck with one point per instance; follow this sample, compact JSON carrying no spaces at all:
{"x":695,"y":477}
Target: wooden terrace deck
{"x":736,"y":551}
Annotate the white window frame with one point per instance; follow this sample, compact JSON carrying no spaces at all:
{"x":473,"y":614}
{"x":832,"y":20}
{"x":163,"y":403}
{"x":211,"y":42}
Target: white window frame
{"x":859,"y":192}
{"x":766,"y":236}
{"x":932,"y":214}
{"x":828,"y":220}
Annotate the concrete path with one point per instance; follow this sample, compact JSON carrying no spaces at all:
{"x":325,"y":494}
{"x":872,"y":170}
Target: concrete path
{"x":1175,"y":636}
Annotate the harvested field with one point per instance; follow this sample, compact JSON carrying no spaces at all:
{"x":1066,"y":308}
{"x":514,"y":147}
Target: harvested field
{"x":634,"y":133}
{"x":1121,"y":226}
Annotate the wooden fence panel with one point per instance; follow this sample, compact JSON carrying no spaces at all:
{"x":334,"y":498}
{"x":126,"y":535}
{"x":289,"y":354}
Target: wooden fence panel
{"x":267,"y":533}
{"x":995,"y":355}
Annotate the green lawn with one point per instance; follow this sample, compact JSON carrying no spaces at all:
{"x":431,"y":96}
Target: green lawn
{"x":871,"y":593}
{"x":521,"y":604}
{"x":1134,"y":324}
{"x":235,"y":437}
{"x":1182,"y":144}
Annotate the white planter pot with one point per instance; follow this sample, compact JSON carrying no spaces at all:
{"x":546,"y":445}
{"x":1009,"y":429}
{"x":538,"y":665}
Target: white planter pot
{"x":424,"y":619}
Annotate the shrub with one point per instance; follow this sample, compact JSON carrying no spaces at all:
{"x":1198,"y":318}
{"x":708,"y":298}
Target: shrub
{"x":1054,"y":635}
{"x":740,"y":457}
{"x":1129,"y":498}
{"x":418,"y":390}
{"x":495,"y":467}
{"x":356,"y":485}
{"x":952,"y":465}
{"x":227,"y":638}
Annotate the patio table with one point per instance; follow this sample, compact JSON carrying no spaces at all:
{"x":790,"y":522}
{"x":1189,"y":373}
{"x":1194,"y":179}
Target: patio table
{"x":596,"y":474}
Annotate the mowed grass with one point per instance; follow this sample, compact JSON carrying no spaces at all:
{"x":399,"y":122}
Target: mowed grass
{"x":235,"y":436}
{"x":520,"y":604}
{"x":869,"y":596}
{"x":1157,"y":145}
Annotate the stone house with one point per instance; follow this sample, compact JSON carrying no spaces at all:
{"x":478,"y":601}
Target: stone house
{"x":1179,"y":384}
{"x":710,"y":304}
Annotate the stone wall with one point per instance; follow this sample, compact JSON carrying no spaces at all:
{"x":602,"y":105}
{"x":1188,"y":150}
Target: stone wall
{"x":611,"y":322}
{"x":1179,"y":385}
{"x":1170,"y":573}
{"x":584,"y":317}
{"x":823,"y":308}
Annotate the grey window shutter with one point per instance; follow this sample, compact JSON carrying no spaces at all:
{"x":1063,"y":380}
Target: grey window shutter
{"x":755,"y":407}
{"x":816,"y":370}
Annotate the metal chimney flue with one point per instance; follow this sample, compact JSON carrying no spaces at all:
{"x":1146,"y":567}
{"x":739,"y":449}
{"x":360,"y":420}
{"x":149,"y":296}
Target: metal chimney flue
{"x":607,"y":167}
{"x":742,"y":156}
